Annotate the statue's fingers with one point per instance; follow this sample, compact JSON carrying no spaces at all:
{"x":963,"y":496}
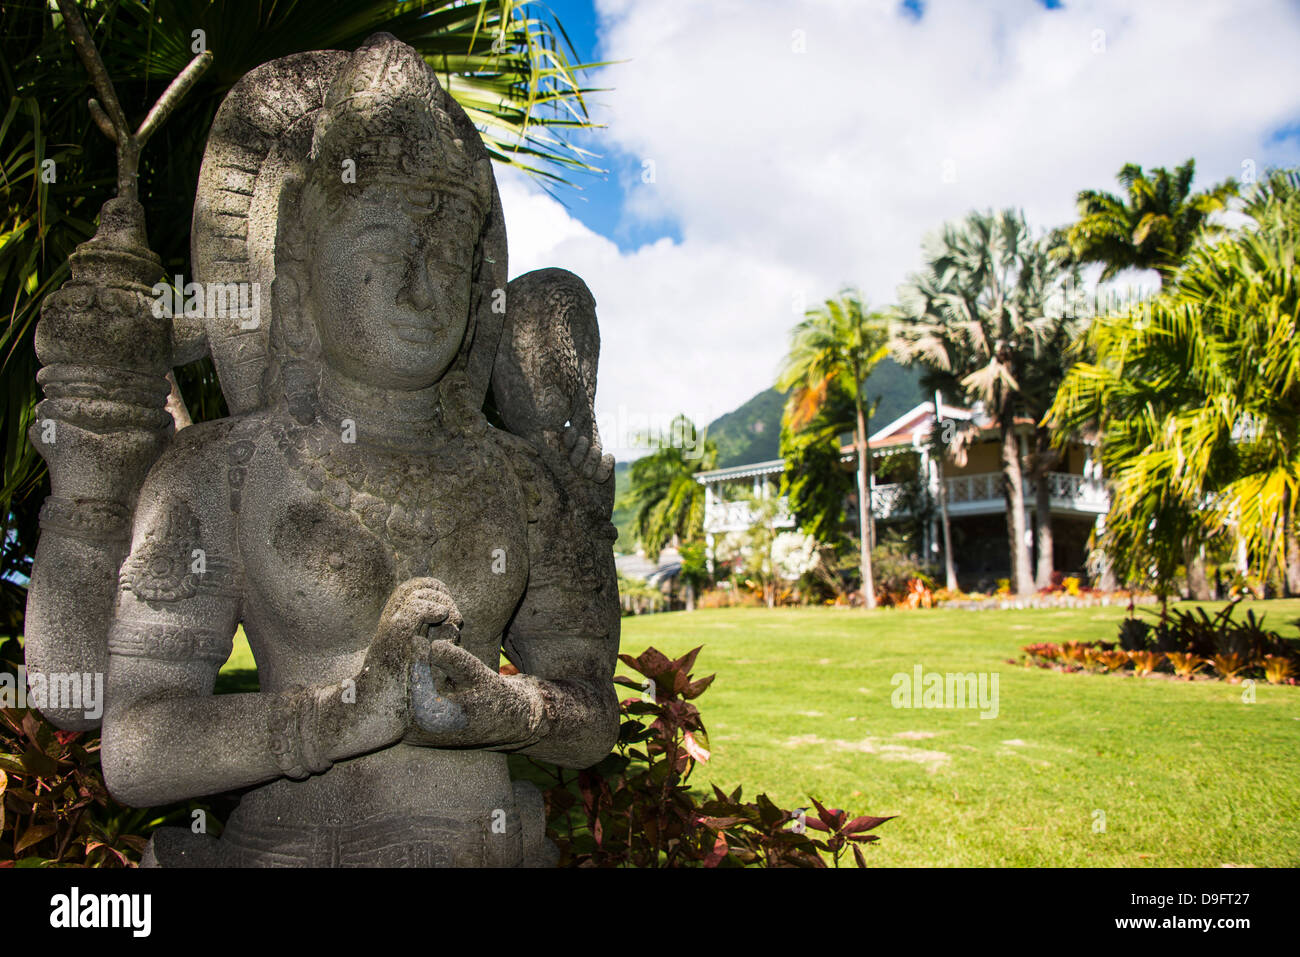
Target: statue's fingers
{"x":456,"y":663}
{"x":579,"y":451}
{"x":604,"y":470}
{"x":593,"y":460}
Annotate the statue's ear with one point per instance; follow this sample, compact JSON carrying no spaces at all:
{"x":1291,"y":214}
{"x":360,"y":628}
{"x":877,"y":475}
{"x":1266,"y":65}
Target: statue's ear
{"x":478,"y":352}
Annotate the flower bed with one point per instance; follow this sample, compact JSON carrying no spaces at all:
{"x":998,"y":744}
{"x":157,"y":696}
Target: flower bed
{"x":1186,"y":645}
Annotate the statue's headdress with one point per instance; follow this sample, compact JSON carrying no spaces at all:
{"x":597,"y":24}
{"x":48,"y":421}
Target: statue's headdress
{"x":387,"y":116}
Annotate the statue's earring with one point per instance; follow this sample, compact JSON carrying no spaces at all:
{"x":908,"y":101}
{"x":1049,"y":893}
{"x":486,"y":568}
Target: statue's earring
{"x":299,"y":375}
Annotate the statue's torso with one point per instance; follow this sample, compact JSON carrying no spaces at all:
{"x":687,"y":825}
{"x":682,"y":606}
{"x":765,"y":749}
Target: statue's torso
{"x":324,"y":532}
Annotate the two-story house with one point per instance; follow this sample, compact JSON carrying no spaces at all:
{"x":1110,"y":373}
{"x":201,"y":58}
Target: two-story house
{"x":976,"y":504}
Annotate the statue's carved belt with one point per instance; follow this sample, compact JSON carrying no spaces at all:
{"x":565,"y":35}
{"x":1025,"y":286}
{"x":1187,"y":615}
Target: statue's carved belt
{"x":489,"y":840}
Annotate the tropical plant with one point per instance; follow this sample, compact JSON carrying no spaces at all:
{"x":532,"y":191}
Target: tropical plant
{"x":1185,"y":664}
{"x":766,"y":515}
{"x":1145,"y":662}
{"x":638,"y":597}
{"x":1113,"y":660}
{"x":897,"y":567}
{"x":1197,"y":398}
{"x":815,"y":482}
{"x":1278,"y":669}
{"x":1153,"y":227}
{"x":832,"y":352}
{"x":1229,"y":665}
{"x":667,"y":500}
{"x":983,"y":320}
{"x":1278,"y":666}
{"x":508,"y":63}
{"x":695,"y":571}
{"x":636,"y":808}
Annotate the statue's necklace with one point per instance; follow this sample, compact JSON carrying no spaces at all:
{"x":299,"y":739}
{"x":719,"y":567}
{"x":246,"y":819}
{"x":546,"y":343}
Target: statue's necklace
{"x":409,"y":499}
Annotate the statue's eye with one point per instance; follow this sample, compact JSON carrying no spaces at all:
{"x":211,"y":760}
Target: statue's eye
{"x":385,"y":244}
{"x":376,"y":253}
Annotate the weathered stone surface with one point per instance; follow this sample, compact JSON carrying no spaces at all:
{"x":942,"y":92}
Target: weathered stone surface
{"x":379,"y":541}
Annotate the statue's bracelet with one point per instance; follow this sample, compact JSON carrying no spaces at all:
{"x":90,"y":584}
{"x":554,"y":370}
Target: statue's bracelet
{"x":294,"y":734}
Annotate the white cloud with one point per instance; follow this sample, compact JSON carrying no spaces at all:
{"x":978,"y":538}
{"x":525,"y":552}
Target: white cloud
{"x":794,"y":173}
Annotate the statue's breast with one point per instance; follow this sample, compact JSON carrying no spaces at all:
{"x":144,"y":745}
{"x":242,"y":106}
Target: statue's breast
{"x":326,"y":535}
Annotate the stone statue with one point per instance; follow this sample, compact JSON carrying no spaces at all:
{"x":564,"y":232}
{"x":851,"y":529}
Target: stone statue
{"x":380,"y":541}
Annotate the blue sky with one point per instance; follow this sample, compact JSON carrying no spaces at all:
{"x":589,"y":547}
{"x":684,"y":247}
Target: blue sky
{"x":804,"y":145}
{"x":597,"y":200}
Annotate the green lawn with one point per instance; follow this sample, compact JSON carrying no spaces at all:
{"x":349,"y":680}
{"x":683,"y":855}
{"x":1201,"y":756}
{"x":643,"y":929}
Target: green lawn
{"x":1185,"y":774}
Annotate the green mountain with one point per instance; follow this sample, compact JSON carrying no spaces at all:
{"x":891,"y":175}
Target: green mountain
{"x":752,"y":433}
{"x":897,"y":388}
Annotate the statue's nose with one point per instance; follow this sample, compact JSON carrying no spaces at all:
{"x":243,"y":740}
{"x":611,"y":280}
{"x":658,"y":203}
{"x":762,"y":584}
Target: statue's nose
{"x":418,"y":289}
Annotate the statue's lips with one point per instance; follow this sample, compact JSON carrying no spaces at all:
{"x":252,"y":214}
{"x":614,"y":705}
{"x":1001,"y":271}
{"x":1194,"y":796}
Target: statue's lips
{"x":420,"y":330}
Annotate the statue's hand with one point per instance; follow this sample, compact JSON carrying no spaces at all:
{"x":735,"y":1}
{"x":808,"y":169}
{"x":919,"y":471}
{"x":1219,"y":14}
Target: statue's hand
{"x":585,"y":454}
{"x":469,"y":705}
{"x":397,"y":663}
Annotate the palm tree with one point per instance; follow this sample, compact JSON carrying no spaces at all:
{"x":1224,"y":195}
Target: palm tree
{"x":977,"y":318}
{"x":1127,"y":390}
{"x":835,"y":347}
{"x":1153,"y":228}
{"x":1198,"y":395}
{"x":814,"y":482}
{"x":512,"y":71}
{"x":663,"y":491}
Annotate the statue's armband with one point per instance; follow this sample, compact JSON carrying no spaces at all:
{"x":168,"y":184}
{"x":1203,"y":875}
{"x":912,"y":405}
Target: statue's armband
{"x":179,"y":588}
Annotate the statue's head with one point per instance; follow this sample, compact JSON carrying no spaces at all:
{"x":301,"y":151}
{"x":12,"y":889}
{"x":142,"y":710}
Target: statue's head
{"x":381,"y":240}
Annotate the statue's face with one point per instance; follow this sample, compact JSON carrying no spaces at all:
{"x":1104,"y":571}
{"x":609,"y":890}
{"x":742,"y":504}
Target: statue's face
{"x":390,"y":287}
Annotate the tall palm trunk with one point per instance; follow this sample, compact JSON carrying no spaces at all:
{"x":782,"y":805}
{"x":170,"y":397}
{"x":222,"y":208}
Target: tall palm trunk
{"x":1292,"y":546}
{"x":1043,"y":538}
{"x":949,"y":565}
{"x":1022,"y":578}
{"x":864,"y":503}
{"x":1045,"y":459}
{"x":871,"y":480}
{"x":1198,"y":585}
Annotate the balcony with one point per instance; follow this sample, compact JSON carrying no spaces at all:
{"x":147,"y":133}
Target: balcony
{"x":720,"y":517}
{"x":981,"y":494}
{"x":978,"y":494}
